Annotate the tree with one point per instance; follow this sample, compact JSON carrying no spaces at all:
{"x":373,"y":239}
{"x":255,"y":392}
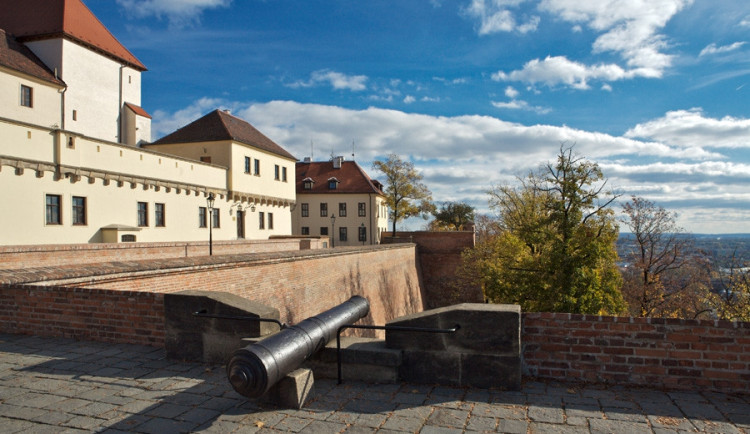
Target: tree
{"x":666,"y":276}
{"x":556,"y":249}
{"x":405,"y":194}
{"x":454,"y":215}
{"x":732,"y":300}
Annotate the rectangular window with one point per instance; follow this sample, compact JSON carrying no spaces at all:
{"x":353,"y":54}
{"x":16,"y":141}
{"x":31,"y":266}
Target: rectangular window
{"x":270,"y":220}
{"x":75,"y":115}
{"x":160,"y":219}
{"x":247,"y":164}
{"x":362,"y":209}
{"x":142,"y":214}
{"x":342,"y":234}
{"x":283,"y":174}
{"x":53,"y":212}
{"x":215,"y":222}
{"x":79,"y":210}
{"x":202,"y":217}
{"x":305,"y":210}
{"x":342,"y":209}
{"x":362,"y":234}
{"x":276,"y":172}
{"x":305,"y":230}
{"x":257,"y":168}
{"x":324,"y":210}
{"x":324,"y":230}
{"x":27,"y":96}
{"x":206,"y":159}
{"x":261,"y":220}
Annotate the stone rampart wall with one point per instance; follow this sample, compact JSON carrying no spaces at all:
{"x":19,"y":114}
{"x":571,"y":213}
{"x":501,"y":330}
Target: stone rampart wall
{"x":123,"y":302}
{"x":55,"y":255}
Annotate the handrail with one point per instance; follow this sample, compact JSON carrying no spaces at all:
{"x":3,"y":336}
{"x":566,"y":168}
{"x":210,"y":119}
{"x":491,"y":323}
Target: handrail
{"x":204,"y":314}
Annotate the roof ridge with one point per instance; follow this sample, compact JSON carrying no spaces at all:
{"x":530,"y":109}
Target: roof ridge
{"x":226,"y":127}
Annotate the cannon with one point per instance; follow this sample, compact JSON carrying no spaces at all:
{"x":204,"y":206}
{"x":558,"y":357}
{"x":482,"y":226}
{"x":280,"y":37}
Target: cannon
{"x":252,"y":370}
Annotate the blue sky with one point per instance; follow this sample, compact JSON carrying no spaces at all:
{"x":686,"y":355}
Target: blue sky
{"x":474,"y":92}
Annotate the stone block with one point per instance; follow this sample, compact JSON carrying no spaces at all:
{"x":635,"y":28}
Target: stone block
{"x":491,"y":371}
{"x":211,"y":340}
{"x":431,"y":367}
{"x":362,"y":359}
{"x":292,"y":390}
{"x":484,"y":328}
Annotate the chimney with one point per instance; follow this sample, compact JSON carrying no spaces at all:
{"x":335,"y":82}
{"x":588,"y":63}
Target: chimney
{"x":307,"y":160}
{"x":337,"y":161}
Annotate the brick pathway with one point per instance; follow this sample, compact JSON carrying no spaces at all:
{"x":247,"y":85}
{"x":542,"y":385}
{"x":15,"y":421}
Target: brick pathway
{"x":60,"y":385}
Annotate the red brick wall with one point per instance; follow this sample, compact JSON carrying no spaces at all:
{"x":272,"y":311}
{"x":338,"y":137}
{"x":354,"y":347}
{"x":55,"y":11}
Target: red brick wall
{"x":659,"y":352}
{"x":439,"y":255}
{"x":110,"y":316}
{"x":124,"y":302}
{"x":54,"y":255}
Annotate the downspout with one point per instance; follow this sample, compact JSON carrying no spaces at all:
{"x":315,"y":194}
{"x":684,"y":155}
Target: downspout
{"x":119,"y":110}
{"x":58,"y":136}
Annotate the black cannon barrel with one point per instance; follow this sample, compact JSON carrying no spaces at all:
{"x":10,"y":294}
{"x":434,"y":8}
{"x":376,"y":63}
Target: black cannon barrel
{"x":254,"y":369}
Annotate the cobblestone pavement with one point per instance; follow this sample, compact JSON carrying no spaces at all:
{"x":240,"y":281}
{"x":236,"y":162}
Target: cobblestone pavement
{"x":61,"y":385}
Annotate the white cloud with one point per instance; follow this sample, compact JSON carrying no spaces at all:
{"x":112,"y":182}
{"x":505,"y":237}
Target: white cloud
{"x":494,"y":16}
{"x":511,"y":92}
{"x":713,"y":49}
{"x":519,"y":105}
{"x":559,"y":70}
{"x":692,"y":128}
{"x":461,"y":156}
{"x":629,"y":28}
{"x":409,"y":99}
{"x":337,"y":80}
{"x":745,"y":22}
{"x":178,"y":12}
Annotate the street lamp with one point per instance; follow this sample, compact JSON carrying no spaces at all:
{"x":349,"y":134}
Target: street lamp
{"x":364,"y":234}
{"x":210,"y":204}
{"x":333,"y":236}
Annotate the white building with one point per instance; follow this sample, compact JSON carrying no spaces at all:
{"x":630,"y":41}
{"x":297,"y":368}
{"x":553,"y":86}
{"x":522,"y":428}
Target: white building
{"x":338,"y":199}
{"x":75,"y":165}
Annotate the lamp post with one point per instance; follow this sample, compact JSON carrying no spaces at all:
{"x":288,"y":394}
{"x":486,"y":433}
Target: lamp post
{"x":364,"y":237}
{"x":210,"y":204}
{"x":333,"y":235}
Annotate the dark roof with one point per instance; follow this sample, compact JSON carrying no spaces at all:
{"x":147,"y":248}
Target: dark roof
{"x":220,"y":125}
{"x":351,"y":177}
{"x":30,"y":20}
{"x":14,"y":55}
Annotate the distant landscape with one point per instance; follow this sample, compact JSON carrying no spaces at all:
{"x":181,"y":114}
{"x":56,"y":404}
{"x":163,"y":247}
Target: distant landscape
{"x":720,"y":248}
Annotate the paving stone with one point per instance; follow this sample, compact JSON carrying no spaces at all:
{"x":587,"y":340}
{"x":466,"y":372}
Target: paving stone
{"x":448,"y":418}
{"x":546,"y":414}
{"x":160,"y":425}
{"x":612,"y":426}
{"x":224,"y":427}
{"x":167,"y":410}
{"x":321,"y":426}
{"x":291,"y":423}
{"x":405,"y":424}
{"x":479,"y":423}
{"x":551,"y":428}
{"x":512,"y":426}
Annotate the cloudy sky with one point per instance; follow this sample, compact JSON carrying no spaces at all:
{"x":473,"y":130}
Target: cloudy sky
{"x":473,"y":92}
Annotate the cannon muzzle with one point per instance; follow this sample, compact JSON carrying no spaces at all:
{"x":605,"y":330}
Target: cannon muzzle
{"x":254,"y":369}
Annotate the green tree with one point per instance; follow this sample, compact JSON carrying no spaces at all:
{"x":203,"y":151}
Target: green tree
{"x":556,"y":249}
{"x":666,"y":276}
{"x":405,"y":194}
{"x":453,"y":215}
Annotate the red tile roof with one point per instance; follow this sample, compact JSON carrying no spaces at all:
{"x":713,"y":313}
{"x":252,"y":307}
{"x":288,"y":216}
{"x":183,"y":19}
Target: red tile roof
{"x":138,"y":110}
{"x":16,"y":56}
{"x":30,"y":20}
{"x":220,"y":125}
{"x":351,"y":177}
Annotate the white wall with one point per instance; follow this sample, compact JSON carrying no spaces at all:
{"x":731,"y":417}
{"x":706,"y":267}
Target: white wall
{"x":375,"y":220}
{"x":45,"y":108}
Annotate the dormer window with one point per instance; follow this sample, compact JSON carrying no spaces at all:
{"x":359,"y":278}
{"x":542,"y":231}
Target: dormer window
{"x":307,"y":183}
{"x":333,"y":183}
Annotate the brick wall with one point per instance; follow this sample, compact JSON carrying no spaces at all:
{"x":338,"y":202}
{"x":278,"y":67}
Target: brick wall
{"x":110,"y":316}
{"x":439,"y":255}
{"x":669,"y":353}
{"x":123,"y":302}
{"x":55,"y":255}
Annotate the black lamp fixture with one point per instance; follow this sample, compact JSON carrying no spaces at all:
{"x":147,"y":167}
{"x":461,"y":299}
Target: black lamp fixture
{"x":333,"y":238}
{"x":210,"y":204}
